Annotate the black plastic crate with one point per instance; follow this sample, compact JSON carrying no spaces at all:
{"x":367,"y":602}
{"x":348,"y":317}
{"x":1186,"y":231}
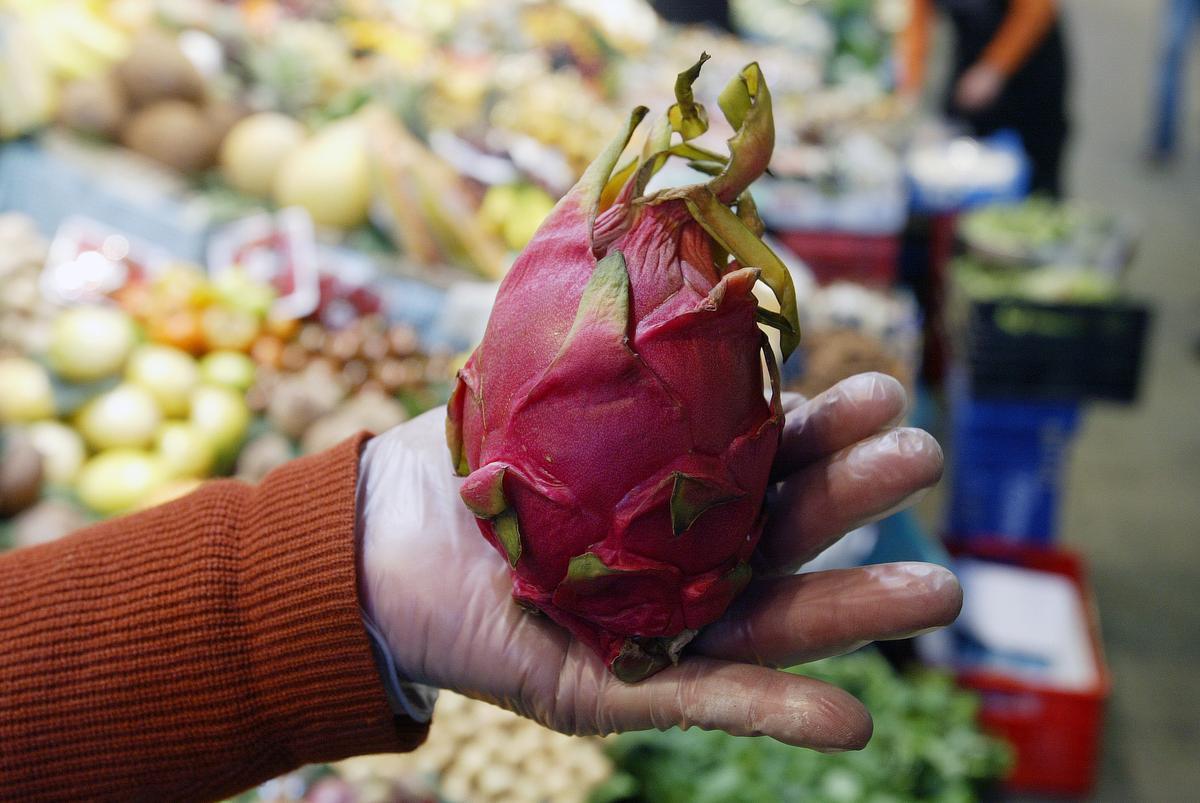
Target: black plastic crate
{"x":1014,"y":348}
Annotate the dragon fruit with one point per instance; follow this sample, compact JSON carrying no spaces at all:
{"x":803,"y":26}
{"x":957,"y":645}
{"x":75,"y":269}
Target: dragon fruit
{"x":613,"y":425}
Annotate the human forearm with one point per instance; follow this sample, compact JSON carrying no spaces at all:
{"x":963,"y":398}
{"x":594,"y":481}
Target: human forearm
{"x":192,"y":650}
{"x":913,"y":47}
{"x":1022,"y":31}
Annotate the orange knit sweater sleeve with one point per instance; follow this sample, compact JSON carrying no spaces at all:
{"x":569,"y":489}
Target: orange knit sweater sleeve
{"x":195,"y":649}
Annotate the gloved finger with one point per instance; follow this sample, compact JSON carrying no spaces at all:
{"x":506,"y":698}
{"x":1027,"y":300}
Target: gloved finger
{"x":743,"y":700}
{"x":791,"y":620}
{"x":863,"y":483}
{"x":851,"y":410}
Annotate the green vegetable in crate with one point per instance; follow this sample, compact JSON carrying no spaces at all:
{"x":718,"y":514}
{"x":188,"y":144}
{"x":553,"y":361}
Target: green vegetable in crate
{"x":1071,"y":284}
{"x":1037,"y":230}
{"x":1049,"y":283}
{"x":926,"y":746}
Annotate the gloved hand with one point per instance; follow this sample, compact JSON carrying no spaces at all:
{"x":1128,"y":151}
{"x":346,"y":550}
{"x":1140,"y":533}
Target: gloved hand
{"x":440,"y":594}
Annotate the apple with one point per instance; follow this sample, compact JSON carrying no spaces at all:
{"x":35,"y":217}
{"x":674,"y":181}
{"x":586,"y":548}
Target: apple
{"x":234,"y":288}
{"x":28,"y":394}
{"x":91,"y":342}
{"x":184,"y":450}
{"x":222,"y":416}
{"x":126,"y":416}
{"x":62,"y":450}
{"x":119,"y":479}
{"x":254,"y":148}
{"x":329,"y":175}
{"x":231,"y":369}
{"x":168,"y":374}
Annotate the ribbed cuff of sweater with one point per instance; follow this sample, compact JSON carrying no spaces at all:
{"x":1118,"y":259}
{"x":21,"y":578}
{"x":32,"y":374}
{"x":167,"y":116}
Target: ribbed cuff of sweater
{"x":195,"y":649}
{"x":311,"y":657}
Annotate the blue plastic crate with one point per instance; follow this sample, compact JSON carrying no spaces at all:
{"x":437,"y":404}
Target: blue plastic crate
{"x":1008,"y":464}
{"x":1004,"y":502}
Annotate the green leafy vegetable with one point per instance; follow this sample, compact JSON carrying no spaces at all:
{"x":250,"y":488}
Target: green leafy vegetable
{"x":927,"y":746}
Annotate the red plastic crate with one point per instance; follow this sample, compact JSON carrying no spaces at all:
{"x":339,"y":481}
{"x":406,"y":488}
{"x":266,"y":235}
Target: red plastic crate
{"x":833,"y":256}
{"x":1056,"y":733}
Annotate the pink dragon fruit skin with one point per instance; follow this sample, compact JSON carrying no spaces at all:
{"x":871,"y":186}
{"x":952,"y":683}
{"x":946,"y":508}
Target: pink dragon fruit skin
{"x":612,"y":424}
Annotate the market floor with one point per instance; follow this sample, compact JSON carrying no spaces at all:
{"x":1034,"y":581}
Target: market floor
{"x":1133,"y":495}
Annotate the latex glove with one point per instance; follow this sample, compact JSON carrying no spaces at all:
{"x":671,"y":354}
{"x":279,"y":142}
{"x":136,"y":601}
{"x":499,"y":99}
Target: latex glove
{"x":978,"y":88}
{"x":440,"y":594}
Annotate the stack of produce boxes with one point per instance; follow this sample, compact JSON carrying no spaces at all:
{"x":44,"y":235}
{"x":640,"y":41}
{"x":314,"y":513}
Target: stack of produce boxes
{"x":1040,"y":328}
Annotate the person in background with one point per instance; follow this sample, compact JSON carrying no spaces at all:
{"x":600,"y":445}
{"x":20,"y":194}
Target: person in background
{"x":1180,"y":20}
{"x":695,"y":12}
{"x":1009,"y":71}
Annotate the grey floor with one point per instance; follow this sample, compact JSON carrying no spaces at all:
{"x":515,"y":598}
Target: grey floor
{"x":1133,"y":498}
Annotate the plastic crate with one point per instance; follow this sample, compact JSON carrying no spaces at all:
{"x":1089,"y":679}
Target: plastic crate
{"x":1025,"y":349}
{"x":833,"y":256}
{"x":1021,"y":504}
{"x":1056,"y":733}
{"x":1008,"y":462}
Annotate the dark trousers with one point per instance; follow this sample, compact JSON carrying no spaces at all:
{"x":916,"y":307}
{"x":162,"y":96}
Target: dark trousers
{"x":1181,"y":19}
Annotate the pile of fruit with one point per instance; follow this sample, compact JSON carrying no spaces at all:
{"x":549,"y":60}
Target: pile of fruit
{"x":136,"y":397}
{"x":475,"y":753}
{"x":325,"y":385}
{"x":120,"y":421}
{"x":480,"y":753}
{"x":261,"y":106}
{"x":47,"y":45}
{"x":443,"y":135}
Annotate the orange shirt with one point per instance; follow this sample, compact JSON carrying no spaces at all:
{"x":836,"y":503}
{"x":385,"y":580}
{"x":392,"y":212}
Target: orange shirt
{"x":1023,"y":29}
{"x":193,"y":650}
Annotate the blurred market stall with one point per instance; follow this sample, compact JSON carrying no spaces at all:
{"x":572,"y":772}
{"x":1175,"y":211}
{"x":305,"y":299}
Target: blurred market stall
{"x":236,"y":232}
